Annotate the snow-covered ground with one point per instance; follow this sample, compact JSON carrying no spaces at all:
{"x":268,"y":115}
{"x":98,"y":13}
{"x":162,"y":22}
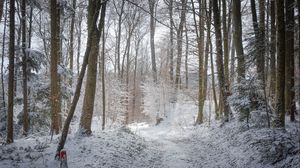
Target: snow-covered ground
{"x":175,"y":143}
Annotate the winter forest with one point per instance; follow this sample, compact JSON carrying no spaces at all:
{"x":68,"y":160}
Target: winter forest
{"x":149,"y":83}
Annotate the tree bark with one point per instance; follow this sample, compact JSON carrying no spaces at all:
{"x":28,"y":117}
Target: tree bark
{"x":280,"y":80}
{"x":262,"y":42}
{"x":179,"y":43}
{"x":186,"y":58}
{"x":71,"y":52}
{"x":290,"y":106}
{"x":258,"y":43}
{"x":225,"y":41}
{"x":119,"y":36}
{"x":103,"y":78}
{"x":10,"y":107}
{"x":273,"y":51}
{"x":220,"y":65}
{"x":200,"y":44}
{"x":79,"y":41}
{"x":24,"y":68}
{"x":2,"y":57}
{"x":55,"y":56}
{"x":90,"y":88}
{"x":237,"y":38}
{"x":171,"y":42}
{"x":152,"y":33}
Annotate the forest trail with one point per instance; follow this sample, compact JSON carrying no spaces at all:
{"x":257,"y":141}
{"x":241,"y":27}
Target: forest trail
{"x":180,"y":147}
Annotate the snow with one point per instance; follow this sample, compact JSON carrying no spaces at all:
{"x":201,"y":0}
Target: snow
{"x":175,"y":143}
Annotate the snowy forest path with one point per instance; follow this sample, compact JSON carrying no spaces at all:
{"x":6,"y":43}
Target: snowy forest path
{"x":181,"y":148}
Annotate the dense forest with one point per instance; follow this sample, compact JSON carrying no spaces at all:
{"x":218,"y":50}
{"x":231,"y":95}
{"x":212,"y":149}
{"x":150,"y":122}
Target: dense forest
{"x":167,"y":78}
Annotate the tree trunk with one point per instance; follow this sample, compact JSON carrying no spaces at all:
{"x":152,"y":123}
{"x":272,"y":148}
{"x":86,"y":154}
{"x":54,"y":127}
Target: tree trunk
{"x":71,"y":52}
{"x":103,"y":78}
{"x":55,"y":55}
{"x":171,"y":41}
{"x":200,"y":44}
{"x":290,"y":106}
{"x":79,"y":41}
{"x":186,"y":58}
{"x":24,"y":68}
{"x":10,"y":107}
{"x":258,"y":43}
{"x":237,"y":38}
{"x":220,"y":65}
{"x":2,"y":57}
{"x":91,"y":29}
{"x":179,"y":43}
{"x":213,"y":82}
{"x":127,"y":74}
{"x":90,"y":88}
{"x":262,"y":42}
{"x":225,"y":41}
{"x":119,"y":37}
{"x":273,"y":51}
{"x":152,"y":33}
{"x":280,"y":80}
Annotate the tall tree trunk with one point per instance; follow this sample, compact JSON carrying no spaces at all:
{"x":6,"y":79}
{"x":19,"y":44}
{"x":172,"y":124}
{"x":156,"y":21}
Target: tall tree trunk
{"x":273,"y":51}
{"x":225,"y":41}
{"x":71,"y":52}
{"x":213,"y":81}
{"x":258,"y":43}
{"x":290,"y":106}
{"x":2,"y":56}
{"x":103,"y":78}
{"x":220,"y":65}
{"x":127,"y":75}
{"x":179,"y":43}
{"x":79,"y":40}
{"x":200,"y":44}
{"x":152,"y":33}
{"x":262,"y":42}
{"x":90,"y":88}
{"x":280,"y":80}
{"x":119,"y":37}
{"x":237,"y":38}
{"x":10,"y":107}
{"x":91,"y":29}
{"x":55,"y":55}
{"x":186,"y":58}
{"x":171,"y":41}
{"x":24,"y":68}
